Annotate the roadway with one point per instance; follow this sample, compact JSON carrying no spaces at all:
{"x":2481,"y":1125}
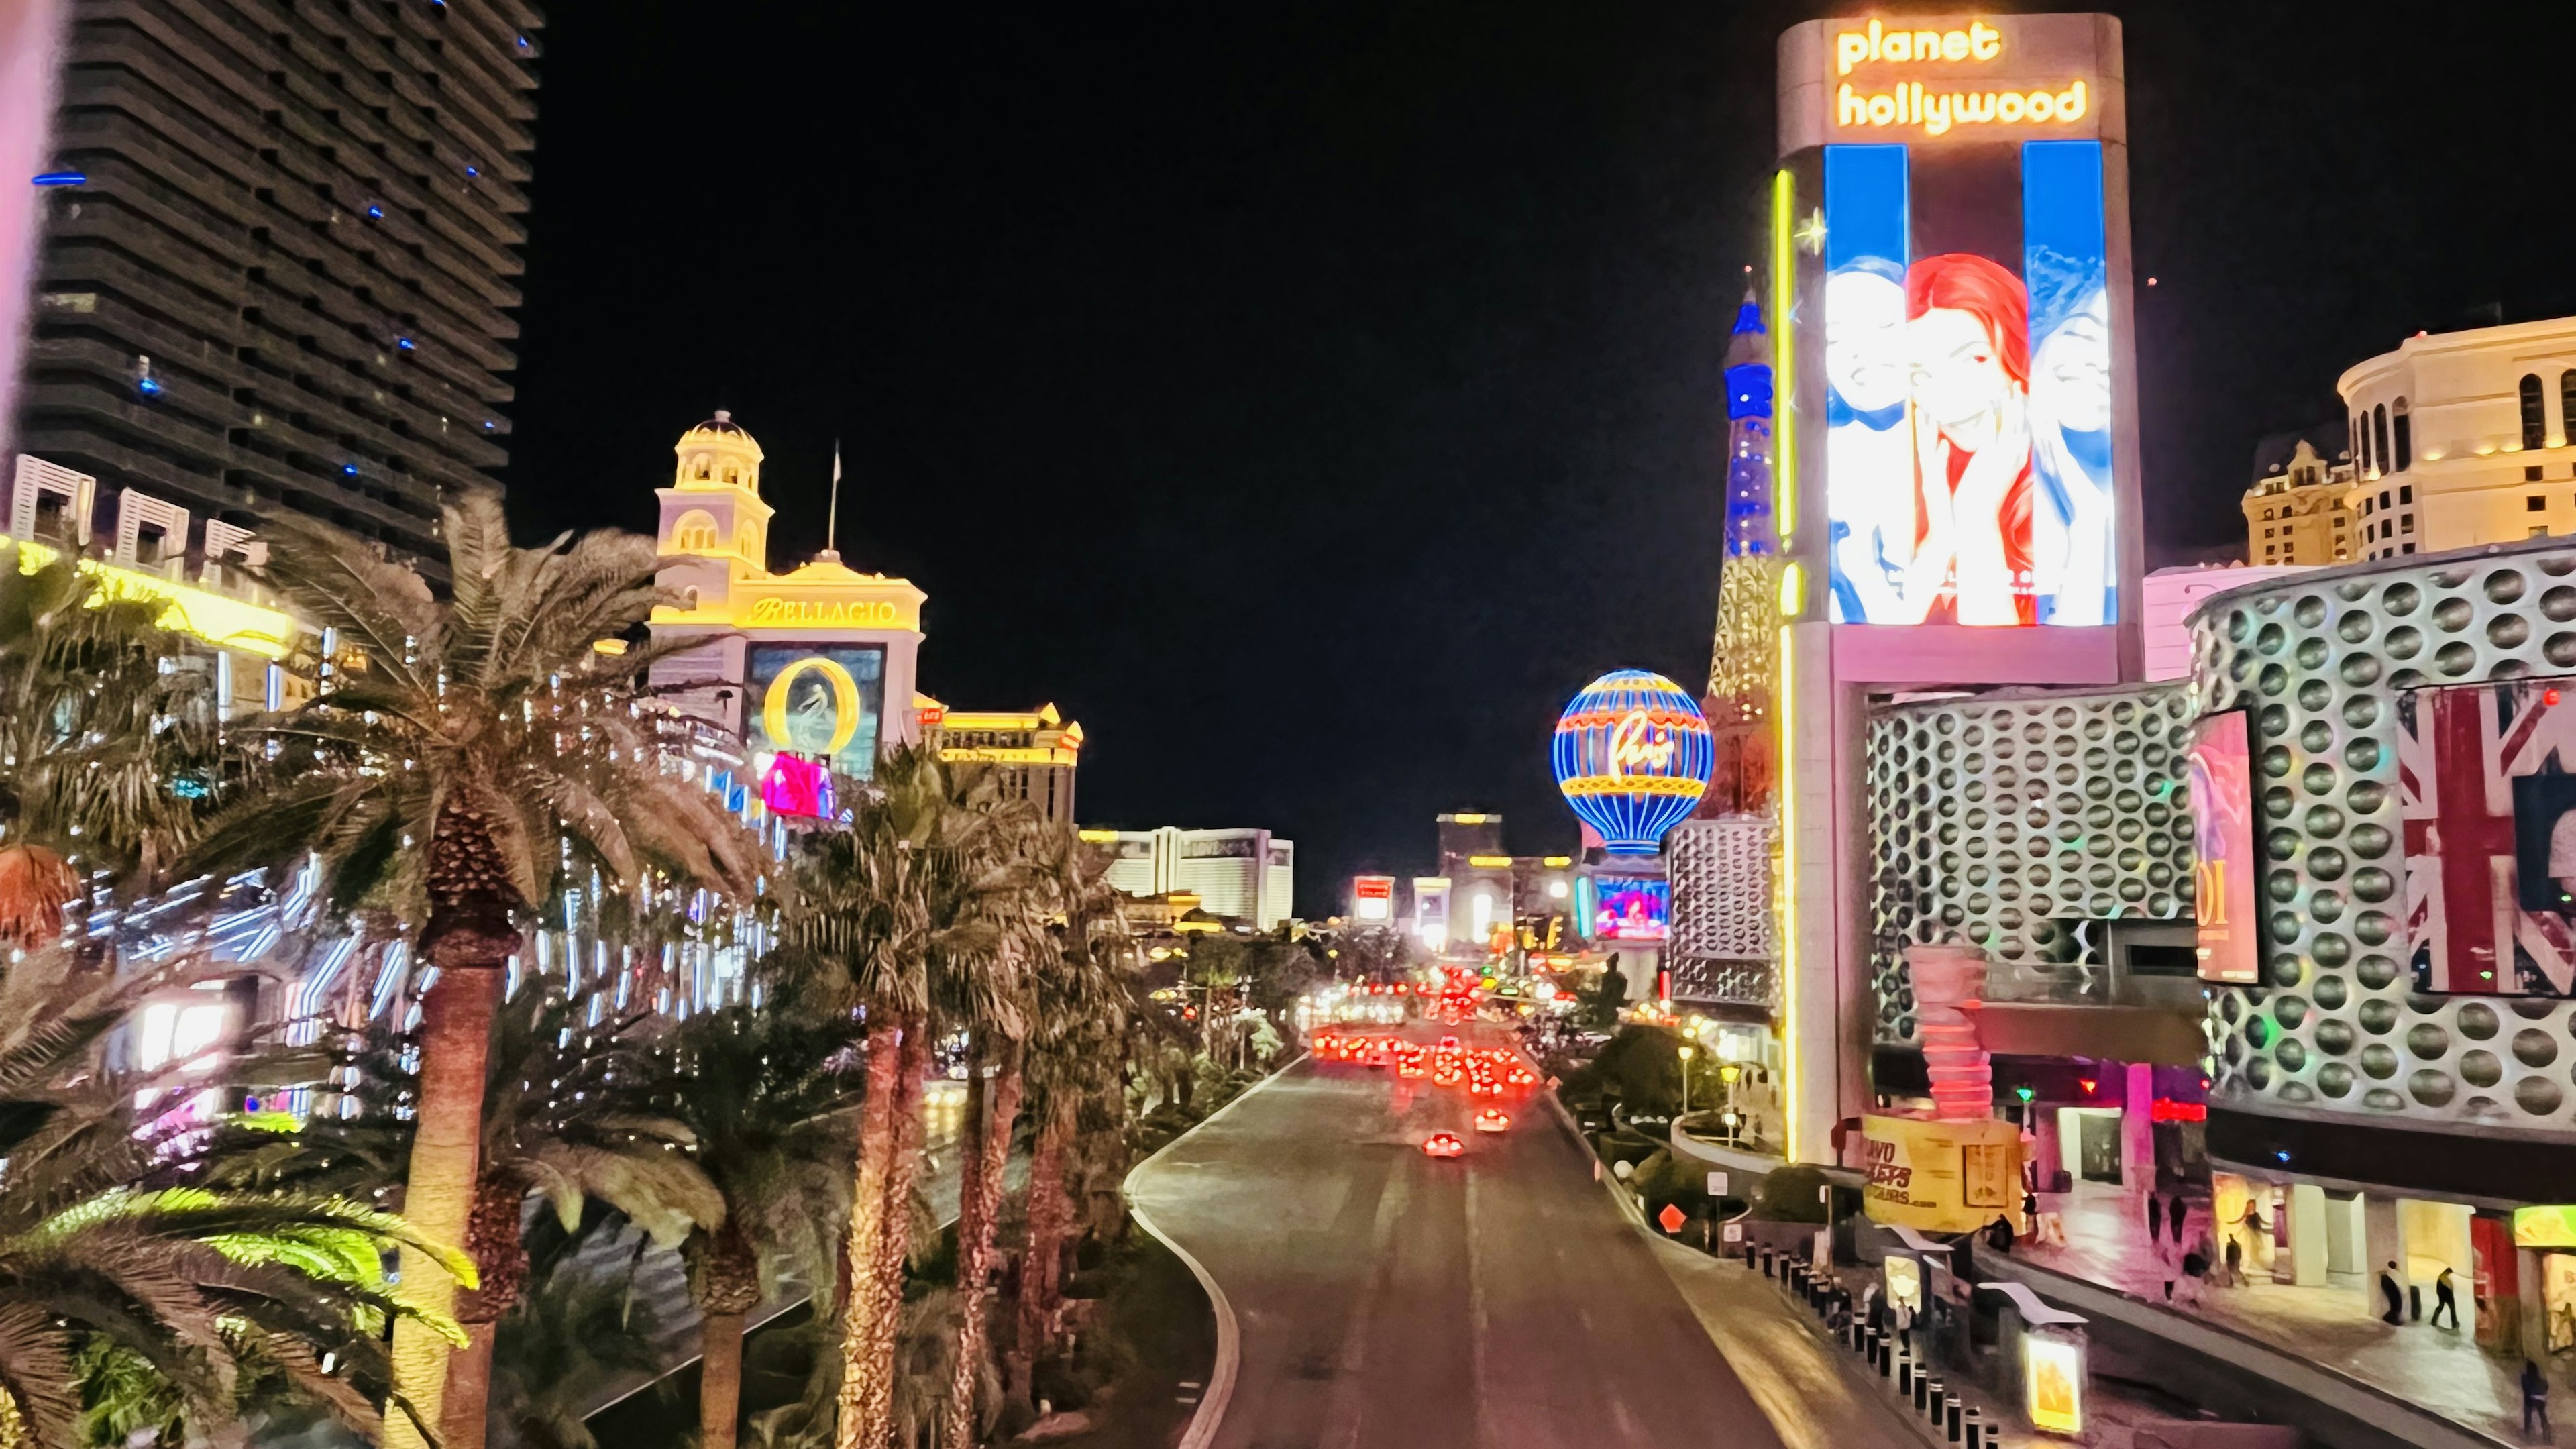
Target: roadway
{"x":1499,"y":1300}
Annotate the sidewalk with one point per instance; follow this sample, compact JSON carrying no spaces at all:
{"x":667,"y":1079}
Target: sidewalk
{"x":1802,"y":1377}
{"x":2333,"y":1326}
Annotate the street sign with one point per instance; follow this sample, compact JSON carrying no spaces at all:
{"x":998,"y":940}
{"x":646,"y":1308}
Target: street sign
{"x":1735,"y":1232}
{"x":1671,"y":1217}
{"x":1717,"y":1184}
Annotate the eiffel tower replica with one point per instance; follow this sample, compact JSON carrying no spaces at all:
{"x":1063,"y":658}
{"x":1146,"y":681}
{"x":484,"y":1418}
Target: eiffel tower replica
{"x":1744,"y":662}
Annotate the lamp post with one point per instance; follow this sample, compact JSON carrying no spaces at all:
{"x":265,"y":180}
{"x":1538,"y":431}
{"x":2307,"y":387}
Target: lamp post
{"x":1727,"y":1075}
{"x":1687,"y":1052}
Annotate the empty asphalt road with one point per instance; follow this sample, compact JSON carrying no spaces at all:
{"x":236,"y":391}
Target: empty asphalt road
{"x":1389,"y":1299}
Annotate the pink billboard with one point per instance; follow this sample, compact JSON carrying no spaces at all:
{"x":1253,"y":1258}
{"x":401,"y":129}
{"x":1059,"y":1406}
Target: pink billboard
{"x":2219,"y":769}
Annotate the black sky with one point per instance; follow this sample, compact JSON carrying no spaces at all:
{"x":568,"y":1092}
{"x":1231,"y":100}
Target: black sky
{"x":1308,"y":398}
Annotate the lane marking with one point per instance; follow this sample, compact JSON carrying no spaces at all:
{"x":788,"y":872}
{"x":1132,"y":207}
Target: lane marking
{"x":1229,"y":1334}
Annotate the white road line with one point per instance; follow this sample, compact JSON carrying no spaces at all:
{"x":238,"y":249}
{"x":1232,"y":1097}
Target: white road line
{"x":1229,"y":1335}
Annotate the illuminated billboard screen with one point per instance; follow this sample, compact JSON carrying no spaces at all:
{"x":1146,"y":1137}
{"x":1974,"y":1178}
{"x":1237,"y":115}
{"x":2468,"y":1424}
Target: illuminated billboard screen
{"x":1968,"y":387}
{"x":1373,"y":897}
{"x":819,"y":700}
{"x":2486,"y":783}
{"x":2219,"y":774}
{"x":1631,"y":908}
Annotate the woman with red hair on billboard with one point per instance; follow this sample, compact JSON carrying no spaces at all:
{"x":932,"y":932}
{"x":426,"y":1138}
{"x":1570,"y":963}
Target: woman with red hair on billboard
{"x":1968,"y":330}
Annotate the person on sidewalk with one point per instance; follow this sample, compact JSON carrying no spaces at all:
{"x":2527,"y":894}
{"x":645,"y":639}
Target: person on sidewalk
{"x":2235,"y":1263}
{"x":2174,"y":1216}
{"x":2396,"y":1295}
{"x":2155,"y":1218}
{"x":2446,"y":1299}
{"x":2535,"y":1400}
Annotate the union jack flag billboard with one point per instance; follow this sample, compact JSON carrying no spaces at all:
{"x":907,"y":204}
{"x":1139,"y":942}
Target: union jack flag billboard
{"x":2484,"y":782}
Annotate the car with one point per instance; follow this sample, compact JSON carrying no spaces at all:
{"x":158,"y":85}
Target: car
{"x":1492,"y":1119}
{"x":1443,"y":1144}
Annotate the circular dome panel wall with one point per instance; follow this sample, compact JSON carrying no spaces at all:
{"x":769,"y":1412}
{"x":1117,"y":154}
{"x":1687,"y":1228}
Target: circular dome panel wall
{"x":2318,"y":661}
{"x":2008,"y":820}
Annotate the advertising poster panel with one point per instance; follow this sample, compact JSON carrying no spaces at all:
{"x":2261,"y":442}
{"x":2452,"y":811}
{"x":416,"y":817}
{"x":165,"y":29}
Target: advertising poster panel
{"x":1373,"y":898}
{"x":2485,"y":787}
{"x":819,"y":700}
{"x":2219,"y":777}
{"x":1941,"y":1177}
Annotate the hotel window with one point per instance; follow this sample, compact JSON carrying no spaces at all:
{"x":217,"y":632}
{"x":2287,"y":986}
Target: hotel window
{"x":2360,"y":444}
{"x":2410,"y":548}
{"x":2406,"y":493}
{"x":2567,"y":404}
{"x":2535,"y":428}
{"x":2534,"y":503}
{"x":2379,"y":435}
{"x":2406,"y":523}
{"x":2383,"y":498}
{"x":2537,"y":530}
{"x":2531,"y":472}
{"x":2405,"y":438}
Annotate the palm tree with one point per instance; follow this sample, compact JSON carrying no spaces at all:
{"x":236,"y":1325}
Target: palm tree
{"x":986,"y":992}
{"x":910,"y":908}
{"x":1085,"y":988}
{"x":102,"y":754}
{"x":482,"y":752}
{"x":113,"y":1254}
{"x":573,"y":1113}
{"x":771,"y":1098}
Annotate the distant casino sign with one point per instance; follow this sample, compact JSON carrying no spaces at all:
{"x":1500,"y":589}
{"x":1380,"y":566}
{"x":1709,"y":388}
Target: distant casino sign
{"x":1632,"y":757}
{"x":777,"y":613}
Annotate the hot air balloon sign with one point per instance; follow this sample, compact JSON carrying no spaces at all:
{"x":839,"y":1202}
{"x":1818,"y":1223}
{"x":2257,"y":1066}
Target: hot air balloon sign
{"x":1632,"y":757}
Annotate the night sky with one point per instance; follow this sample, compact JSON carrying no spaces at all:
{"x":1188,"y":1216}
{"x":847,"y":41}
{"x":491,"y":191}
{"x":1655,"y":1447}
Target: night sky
{"x":1309,"y":398}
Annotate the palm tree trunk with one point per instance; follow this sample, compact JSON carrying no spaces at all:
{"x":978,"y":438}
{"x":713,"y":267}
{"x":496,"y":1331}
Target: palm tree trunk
{"x":438,"y":1198}
{"x":1042,"y":1263}
{"x":983,"y":1172}
{"x":867,"y":1223}
{"x":885,"y":1313}
{"x":492,"y":1238}
{"x":719,"y":1378}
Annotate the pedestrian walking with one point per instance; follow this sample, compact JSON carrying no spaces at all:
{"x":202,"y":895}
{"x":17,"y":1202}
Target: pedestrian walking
{"x":2446,"y":1299}
{"x":2175,"y":1218}
{"x":2396,"y":1296}
{"x":2235,"y":1262}
{"x":2535,"y":1400}
{"x":2155,"y":1218}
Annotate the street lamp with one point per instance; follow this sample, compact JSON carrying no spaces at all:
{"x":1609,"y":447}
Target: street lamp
{"x":1687,"y":1053}
{"x":1727,"y":1075}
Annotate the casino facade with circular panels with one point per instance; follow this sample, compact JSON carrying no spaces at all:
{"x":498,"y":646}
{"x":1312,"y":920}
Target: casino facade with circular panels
{"x":2009,"y":819}
{"x":2321,"y":663}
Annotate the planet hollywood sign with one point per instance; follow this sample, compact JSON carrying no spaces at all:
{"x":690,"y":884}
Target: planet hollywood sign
{"x":1935,"y":110}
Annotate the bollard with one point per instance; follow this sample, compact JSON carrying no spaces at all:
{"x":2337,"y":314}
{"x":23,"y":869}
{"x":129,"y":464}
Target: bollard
{"x":1931,"y":1402}
{"x":1887,"y":1359}
{"x":1953,"y":1407}
{"x":1922,"y":1390}
{"x":1905,"y":1377}
{"x":1976,"y":1429}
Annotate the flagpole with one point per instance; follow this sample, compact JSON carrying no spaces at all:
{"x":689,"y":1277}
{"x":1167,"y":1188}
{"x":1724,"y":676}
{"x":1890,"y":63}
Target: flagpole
{"x":832,"y":520}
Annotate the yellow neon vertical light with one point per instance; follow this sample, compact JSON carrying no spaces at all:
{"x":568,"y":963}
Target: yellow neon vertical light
{"x":1788,"y":912}
{"x":1784,"y":360}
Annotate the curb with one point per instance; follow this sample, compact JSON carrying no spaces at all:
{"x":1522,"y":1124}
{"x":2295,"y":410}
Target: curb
{"x":1229,"y":1333}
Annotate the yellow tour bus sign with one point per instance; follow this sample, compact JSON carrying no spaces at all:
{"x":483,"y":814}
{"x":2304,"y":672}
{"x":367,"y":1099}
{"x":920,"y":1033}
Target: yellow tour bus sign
{"x":1941,"y":1177}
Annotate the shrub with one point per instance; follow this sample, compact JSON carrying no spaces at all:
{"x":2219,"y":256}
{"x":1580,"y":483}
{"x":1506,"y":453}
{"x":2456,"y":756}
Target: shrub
{"x":1789,"y":1195}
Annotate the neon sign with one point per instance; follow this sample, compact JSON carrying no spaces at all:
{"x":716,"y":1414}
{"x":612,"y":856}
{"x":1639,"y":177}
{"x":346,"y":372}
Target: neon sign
{"x":1852,"y":47}
{"x":1935,"y":110}
{"x":777,"y":613}
{"x":1632,"y":756}
{"x":2166,"y":1109}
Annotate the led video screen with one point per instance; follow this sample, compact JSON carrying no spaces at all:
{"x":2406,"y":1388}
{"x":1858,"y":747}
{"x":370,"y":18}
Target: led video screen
{"x":1967,"y":359}
{"x":820,"y":700}
{"x":1631,"y":909}
{"x":2489,"y":801}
